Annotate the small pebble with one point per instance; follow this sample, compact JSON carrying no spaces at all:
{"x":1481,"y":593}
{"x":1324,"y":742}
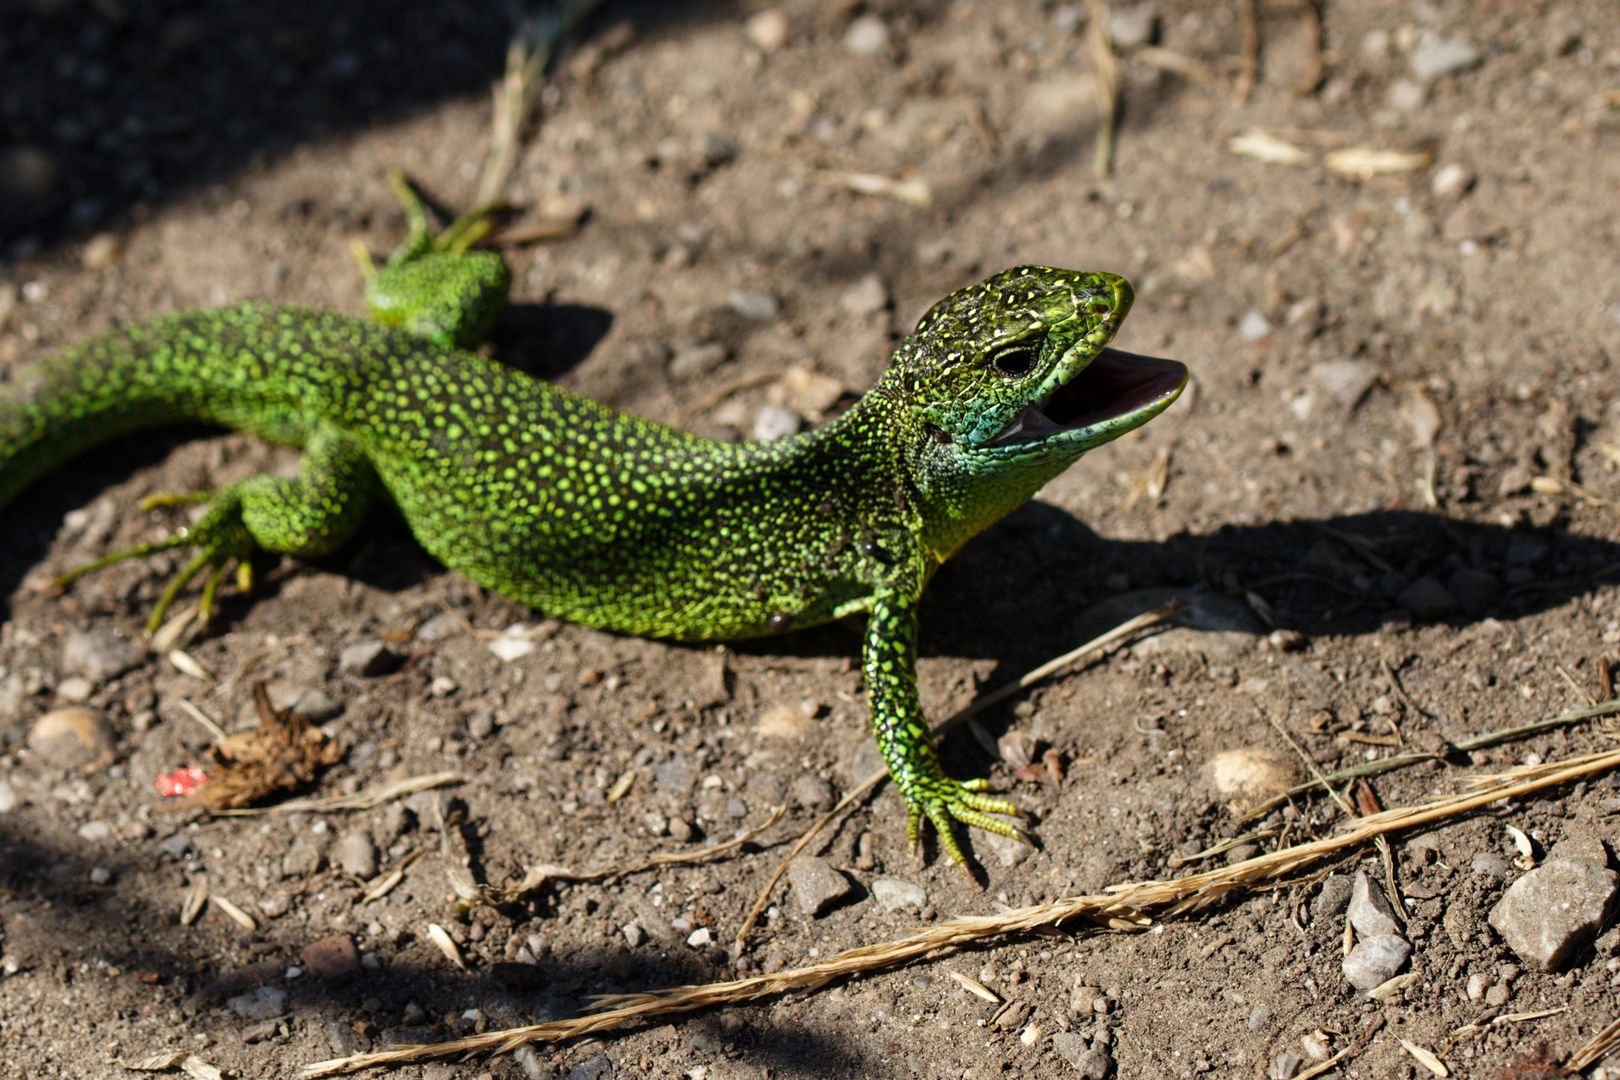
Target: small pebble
{"x":867,"y":36}
{"x":357,"y":855}
{"x":812,"y":792}
{"x":1438,"y":59}
{"x":690,"y":361}
{"x":868,"y":296}
{"x":1253,"y":326}
{"x":753,"y":305}
{"x":1133,"y":27}
{"x":1285,"y":1066}
{"x":95,"y":831}
{"x":260,"y":1004}
{"x":369,"y":659}
{"x":1369,"y":910}
{"x":1451,"y":181}
{"x":8,"y":797}
{"x":74,"y":690}
{"x":101,"y":251}
{"x":72,"y":738}
{"x":633,"y":934}
{"x":817,"y":886}
{"x":1490,"y":864}
{"x":333,"y":957}
{"x":896,"y":894}
{"x":1375,"y":960}
{"x":768,"y":29}
{"x":99,"y":655}
{"x":774,"y":422}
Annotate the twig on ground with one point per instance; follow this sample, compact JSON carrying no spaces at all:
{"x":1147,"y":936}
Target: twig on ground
{"x":1313,"y":58}
{"x":1580,"y":691}
{"x":536,"y":876}
{"x":1097,"y":644}
{"x":1120,"y":906}
{"x":1414,"y":757}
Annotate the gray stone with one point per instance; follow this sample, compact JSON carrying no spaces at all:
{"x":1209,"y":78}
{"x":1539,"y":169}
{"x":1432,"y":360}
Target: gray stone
{"x":357,"y":855}
{"x":1285,"y":1066}
{"x":343,"y":1039}
{"x":701,"y":358}
{"x":1369,"y":910}
{"x":862,"y":761}
{"x":816,"y":885}
{"x":176,"y":845}
{"x":895,"y":894}
{"x":99,"y":655}
{"x":774,"y":422}
{"x":1427,"y":599}
{"x":1133,"y":27}
{"x":1550,"y":913}
{"x":812,"y":792}
{"x":316,"y":706}
{"x":1346,"y":381}
{"x":1437,"y":59}
{"x":753,"y":305}
{"x":260,"y":1004}
{"x":716,"y":149}
{"x":1333,"y":898}
{"x":1207,"y":624}
{"x":596,"y":1068}
{"x":1259,"y":1019}
{"x":8,"y":797}
{"x":736,"y":808}
{"x":1490,"y":864}
{"x":1094,"y":1064}
{"x":529,"y":1061}
{"x":1070,"y":1047}
{"x":633,"y":935}
{"x":674,"y":775}
{"x":1375,"y":960}
{"x":369,"y":658}
{"x":301,"y":860}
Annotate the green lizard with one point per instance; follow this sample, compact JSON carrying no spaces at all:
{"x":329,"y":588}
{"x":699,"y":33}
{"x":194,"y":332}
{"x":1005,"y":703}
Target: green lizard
{"x":602,"y":518}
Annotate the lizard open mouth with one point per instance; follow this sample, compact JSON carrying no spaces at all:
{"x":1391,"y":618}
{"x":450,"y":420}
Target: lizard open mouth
{"x":1113,"y":394}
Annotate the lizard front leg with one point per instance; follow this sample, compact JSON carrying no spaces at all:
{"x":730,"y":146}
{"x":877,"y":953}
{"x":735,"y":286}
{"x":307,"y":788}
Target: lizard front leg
{"x":890,"y":661}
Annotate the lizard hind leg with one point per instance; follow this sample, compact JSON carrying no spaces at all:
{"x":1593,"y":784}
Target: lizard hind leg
{"x":310,"y":515}
{"x":436,"y":287}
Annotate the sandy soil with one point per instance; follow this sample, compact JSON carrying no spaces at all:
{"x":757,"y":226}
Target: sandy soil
{"x":1400,"y":449}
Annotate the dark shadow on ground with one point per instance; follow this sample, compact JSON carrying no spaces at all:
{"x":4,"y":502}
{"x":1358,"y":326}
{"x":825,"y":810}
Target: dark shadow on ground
{"x":56,"y":933}
{"x":110,"y":105}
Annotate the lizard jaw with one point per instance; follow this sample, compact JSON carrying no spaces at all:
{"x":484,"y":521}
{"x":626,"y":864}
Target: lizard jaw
{"x":1114,"y":393}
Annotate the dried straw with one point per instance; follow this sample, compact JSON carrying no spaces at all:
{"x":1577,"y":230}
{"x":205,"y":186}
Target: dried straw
{"x":1123,"y":906}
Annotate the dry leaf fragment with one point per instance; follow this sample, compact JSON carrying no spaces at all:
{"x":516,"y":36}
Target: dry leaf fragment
{"x":190,"y":1064}
{"x":196,"y":897}
{"x":913,"y":192}
{"x":446,"y":944}
{"x":1367,"y":161}
{"x":187,"y":664}
{"x":1426,"y":1059}
{"x":974,"y":987}
{"x":235,"y":914}
{"x":1263,"y":146}
{"x":621,"y":787}
{"x":283,"y":753}
{"x":1521,"y":844}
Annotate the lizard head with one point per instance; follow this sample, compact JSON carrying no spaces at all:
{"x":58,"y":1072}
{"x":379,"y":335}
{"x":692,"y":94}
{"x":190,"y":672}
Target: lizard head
{"x":1005,"y":383}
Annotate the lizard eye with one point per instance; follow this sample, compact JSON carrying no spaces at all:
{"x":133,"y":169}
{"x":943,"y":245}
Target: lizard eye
{"x":1016,"y":360}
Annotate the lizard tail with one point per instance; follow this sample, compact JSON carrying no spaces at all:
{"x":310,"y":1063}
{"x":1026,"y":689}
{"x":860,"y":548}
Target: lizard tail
{"x":197,"y":366}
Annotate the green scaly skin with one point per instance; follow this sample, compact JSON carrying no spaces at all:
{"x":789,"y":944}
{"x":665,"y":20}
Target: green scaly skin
{"x":591,"y":515}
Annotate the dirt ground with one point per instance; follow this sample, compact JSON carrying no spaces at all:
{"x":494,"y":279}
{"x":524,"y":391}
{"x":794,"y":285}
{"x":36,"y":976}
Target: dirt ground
{"x":1400,"y":447}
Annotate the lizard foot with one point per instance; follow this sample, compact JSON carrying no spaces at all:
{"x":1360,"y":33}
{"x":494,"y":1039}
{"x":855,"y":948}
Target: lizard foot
{"x":945,"y":801}
{"x":219,"y":538}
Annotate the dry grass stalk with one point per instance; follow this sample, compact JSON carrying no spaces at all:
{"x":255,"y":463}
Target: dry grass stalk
{"x":527,"y":58}
{"x":1413,"y":757}
{"x":1121,"y":906}
{"x":537,"y":876}
{"x":1249,"y":62}
{"x":360,"y":800}
{"x":1100,"y":643}
{"x":1105,"y":84}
